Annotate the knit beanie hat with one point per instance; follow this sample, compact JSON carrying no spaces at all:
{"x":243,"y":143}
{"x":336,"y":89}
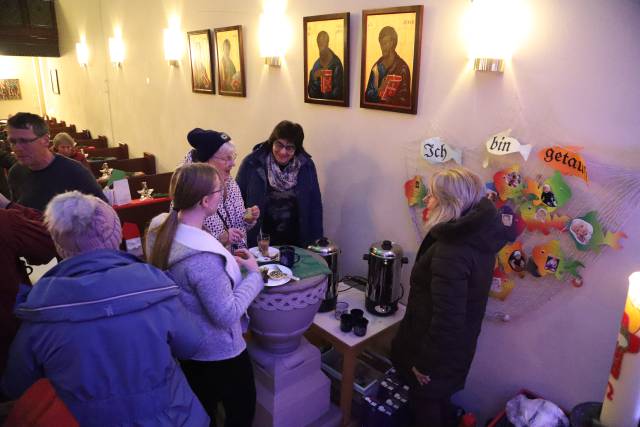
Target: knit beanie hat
{"x":80,"y":223}
{"x":206,"y":143}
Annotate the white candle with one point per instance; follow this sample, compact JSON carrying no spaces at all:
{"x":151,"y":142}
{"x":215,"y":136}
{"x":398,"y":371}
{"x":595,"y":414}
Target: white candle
{"x":621,"y":406}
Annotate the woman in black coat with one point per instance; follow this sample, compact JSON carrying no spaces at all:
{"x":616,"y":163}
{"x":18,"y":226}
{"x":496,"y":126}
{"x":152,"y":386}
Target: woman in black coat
{"x":450,"y":284}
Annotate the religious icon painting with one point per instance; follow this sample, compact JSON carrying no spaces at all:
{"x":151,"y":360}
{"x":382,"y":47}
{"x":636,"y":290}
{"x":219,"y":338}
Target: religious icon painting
{"x":390,"y":69}
{"x":326,"y":59}
{"x":230,"y":56}
{"x":201,"y":61}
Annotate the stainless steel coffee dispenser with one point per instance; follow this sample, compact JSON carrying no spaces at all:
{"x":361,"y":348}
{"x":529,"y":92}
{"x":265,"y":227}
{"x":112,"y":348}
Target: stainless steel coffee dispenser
{"x":384,"y":289}
{"x":329,"y":251}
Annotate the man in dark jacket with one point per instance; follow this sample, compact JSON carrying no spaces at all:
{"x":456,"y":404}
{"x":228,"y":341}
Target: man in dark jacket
{"x":450,"y":284}
{"x":294,"y":214}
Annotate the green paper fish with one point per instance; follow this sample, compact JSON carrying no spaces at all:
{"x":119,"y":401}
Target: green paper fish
{"x":588,"y":234}
{"x":551,"y":194}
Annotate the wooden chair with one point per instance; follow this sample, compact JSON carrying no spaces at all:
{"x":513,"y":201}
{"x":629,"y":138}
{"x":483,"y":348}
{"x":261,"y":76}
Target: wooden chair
{"x":146,"y":164}
{"x":99,"y":142}
{"x":159,"y":182}
{"x":119,"y":152}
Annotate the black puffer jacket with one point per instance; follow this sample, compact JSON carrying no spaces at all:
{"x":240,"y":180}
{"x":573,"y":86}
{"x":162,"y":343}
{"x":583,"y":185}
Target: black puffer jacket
{"x":450,"y":284}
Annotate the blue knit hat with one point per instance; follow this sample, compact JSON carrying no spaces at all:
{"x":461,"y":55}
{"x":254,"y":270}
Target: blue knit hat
{"x":206,"y":143}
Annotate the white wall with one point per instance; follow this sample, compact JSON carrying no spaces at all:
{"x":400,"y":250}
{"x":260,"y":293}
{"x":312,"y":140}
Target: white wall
{"x":24,"y":69}
{"x":573,"y":81}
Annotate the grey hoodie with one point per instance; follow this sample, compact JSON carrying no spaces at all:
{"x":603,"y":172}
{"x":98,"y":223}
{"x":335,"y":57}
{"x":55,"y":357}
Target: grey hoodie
{"x":208,"y":293}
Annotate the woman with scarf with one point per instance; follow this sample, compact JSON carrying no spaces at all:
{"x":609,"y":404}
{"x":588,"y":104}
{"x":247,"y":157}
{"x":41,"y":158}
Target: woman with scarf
{"x":280,"y":178}
{"x":230,"y":223}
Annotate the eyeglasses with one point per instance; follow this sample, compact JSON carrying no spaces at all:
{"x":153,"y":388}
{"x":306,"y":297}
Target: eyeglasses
{"x":16,"y":141}
{"x":228,"y":159}
{"x":279,"y":146}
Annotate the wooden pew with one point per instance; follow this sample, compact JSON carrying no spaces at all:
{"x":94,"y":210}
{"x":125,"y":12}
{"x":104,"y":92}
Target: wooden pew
{"x":159,"y":182}
{"x":119,"y":152}
{"x":146,"y":164}
{"x":99,"y":142}
{"x":71,"y":130}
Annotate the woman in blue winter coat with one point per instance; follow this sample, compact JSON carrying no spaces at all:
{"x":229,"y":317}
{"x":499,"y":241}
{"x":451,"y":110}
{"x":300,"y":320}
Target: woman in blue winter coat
{"x":213,"y":290}
{"x":280,"y":178}
{"x":104,"y":327}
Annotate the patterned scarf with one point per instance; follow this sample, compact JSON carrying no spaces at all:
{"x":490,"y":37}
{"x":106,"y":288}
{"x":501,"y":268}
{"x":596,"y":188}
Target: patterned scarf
{"x":282,"y":179}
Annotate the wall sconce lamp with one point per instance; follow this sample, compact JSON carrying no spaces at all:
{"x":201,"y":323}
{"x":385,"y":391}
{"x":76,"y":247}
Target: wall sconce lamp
{"x":82,"y":53}
{"x":116,"y":48}
{"x":173,"y":42}
{"x":274,"y":32}
{"x":493,"y":29}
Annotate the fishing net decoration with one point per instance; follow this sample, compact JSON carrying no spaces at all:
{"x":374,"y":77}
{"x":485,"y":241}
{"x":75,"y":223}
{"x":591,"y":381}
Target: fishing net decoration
{"x":612,"y":191}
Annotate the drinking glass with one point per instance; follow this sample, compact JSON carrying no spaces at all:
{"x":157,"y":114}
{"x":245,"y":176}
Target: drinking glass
{"x":263,"y":243}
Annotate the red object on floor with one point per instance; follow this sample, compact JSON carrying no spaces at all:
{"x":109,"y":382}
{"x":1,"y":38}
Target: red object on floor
{"x":39,"y":406}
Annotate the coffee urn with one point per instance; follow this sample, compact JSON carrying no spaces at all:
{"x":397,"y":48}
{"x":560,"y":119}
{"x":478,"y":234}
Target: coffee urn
{"x":329,"y":251}
{"x":383,"y":279}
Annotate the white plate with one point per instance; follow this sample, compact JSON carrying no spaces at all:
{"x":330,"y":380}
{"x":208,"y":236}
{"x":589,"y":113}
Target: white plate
{"x":279,"y":282}
{"x":273,"y":254}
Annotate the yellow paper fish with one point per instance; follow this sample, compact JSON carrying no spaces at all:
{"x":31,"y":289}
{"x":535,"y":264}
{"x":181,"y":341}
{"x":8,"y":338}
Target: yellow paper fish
{"x":415,"y":191}
{"x":538,"y":218}
{"x":513,"y":259}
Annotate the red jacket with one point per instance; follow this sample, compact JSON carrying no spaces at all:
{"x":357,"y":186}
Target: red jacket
{"x":23,"y":235}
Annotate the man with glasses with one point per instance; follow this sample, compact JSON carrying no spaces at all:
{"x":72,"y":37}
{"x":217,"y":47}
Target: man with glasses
{"x":39,"y":174}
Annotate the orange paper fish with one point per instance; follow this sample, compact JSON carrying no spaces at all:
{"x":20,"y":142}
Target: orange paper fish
{"x":565,"y":160}
{"x":508,"y":183}
{"x":549,"y":259}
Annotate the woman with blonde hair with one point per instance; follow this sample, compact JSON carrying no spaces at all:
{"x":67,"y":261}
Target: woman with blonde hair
{"x":65,"y":145}
{"x":213,"y":290}
{"x":450,"y":284}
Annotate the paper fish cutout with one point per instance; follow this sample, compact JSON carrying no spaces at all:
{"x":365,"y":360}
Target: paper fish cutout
{"x":501,"y":285}
{"x":508,"y":183}
{"x":587,"y":233}
{"x":565,"y":160}
{"x":502,"y":144}
{"x":549,"y":259}
{"x":511,"y":219}
{"x":551,"y":194}
{"x":434,"y":150}
{"x":513,"y":259}
{"x":415,"y":191}
{"x":538,"y":218}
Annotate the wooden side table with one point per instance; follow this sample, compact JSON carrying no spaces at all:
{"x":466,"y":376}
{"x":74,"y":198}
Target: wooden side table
{"x":350,"y":345}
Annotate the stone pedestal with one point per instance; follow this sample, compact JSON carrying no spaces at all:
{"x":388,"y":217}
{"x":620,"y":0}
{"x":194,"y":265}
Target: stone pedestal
{"x":291,"y":389}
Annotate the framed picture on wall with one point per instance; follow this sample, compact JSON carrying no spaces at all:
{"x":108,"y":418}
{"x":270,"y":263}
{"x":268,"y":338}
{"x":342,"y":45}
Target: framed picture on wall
{"x":55,"y":86}
{"x":391,"y":58}
{"x":326,"y":59}
{"x":10,"y":90}
{"x":201,"y":61}
{"x":230,"y":57}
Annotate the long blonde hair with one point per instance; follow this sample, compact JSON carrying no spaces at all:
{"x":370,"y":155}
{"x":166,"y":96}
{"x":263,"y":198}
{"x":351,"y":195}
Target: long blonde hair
{"x":189,"y":184}
{"x":455,"y":191}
